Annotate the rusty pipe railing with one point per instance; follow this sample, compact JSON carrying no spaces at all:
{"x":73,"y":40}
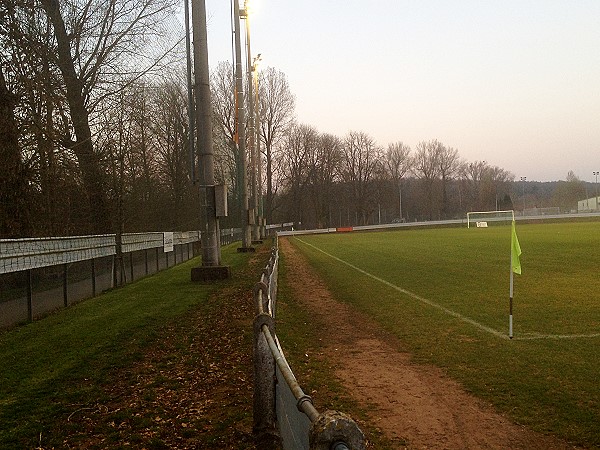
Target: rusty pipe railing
{"x":331,"y":430}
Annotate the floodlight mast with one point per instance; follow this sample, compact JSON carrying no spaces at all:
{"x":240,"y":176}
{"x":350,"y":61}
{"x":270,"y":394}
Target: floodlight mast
{"x":596,"y":173}
{"x":211,"y":251}
{"x":190,"y":91}
{"x":253,"y":136}
{"x":241,"y":134}
{"x":523,"y":179}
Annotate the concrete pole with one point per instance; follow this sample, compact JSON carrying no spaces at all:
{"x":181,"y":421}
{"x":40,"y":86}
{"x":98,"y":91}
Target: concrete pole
{"x":252,"y":131}
{"x":261,"y":208}
{"x":241,"y":132}
{"x":190,"y":91}
{"x":211,"y":251}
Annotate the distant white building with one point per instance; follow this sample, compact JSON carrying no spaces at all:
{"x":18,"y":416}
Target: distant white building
{"x":589,"y":204}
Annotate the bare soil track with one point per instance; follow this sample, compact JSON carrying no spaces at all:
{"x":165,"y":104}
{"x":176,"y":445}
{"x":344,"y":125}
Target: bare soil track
{"x":415,"y":406}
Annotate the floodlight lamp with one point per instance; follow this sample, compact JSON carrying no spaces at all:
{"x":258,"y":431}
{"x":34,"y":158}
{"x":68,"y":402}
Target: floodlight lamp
{"x":248,"y":9}
{"x":257,"y":59}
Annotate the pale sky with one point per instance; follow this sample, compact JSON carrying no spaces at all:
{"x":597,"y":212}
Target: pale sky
{"x":513,"y":82}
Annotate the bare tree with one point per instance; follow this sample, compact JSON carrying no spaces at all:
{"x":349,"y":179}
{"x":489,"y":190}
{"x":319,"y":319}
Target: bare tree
{"x":89,"y":161}
{"x":426,"y":167}
{"x":300,"y":143}
{"x":224,"y":122}
{"x":449,"y":166}
{"x":323,"y":166}
{"x":96,"y":37}
{"x":276,"y":109}
{"x":360,"y":163}
{"x":397,"y":163}
{"x":25,"y":46}
{"x":569,"y":192}
{"x":13,"y":181}
{"x":473,"y":174}
{"x":486,"y":186}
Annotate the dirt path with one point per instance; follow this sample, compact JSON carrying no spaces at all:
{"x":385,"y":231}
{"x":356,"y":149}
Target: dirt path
{"x":416,"y":406}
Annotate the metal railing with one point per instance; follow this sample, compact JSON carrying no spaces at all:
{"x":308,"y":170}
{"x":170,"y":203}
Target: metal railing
{"x":283,"y":414}
{"x":230,"y":235}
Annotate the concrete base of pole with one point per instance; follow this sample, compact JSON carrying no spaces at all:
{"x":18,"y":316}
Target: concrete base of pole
{"x":210,"y":273}
{"x":246,"y":249}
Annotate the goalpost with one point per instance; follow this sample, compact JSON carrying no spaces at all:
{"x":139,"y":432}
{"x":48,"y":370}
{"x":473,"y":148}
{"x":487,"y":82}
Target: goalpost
{"x":481,"y":218}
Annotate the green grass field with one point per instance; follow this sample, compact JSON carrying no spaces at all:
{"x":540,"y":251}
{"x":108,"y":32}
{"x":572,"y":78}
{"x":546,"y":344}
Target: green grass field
{"x":60,"y":364}
{"x":444,"y":293}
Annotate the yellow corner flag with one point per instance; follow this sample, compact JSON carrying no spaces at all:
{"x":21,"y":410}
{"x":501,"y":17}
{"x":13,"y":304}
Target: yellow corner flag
{"x":515,"y":251}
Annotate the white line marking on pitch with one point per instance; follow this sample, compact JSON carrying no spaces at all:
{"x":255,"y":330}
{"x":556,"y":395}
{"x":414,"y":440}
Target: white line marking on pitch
{"x":449,"y":311}
{"x":533,"y":336}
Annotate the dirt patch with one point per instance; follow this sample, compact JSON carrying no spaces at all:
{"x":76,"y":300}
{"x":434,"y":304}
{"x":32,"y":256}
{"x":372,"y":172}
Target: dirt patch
{"x":415,"y":405}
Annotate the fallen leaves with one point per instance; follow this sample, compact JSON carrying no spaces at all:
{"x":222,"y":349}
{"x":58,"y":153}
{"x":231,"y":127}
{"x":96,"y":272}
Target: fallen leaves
{"x":191,"y":389}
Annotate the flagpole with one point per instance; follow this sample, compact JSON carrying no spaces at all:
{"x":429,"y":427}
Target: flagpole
{"x":515,"y":266}
{"x":510,"y":303}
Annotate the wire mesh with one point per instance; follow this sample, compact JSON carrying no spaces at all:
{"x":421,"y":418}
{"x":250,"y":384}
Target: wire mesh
{"x":38,"y":276}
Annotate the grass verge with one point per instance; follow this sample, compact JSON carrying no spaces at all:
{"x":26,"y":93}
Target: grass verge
{"x":160,"y":363}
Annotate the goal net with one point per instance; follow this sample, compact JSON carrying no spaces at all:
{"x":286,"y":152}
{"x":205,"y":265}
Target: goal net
{"x":482,"y":219}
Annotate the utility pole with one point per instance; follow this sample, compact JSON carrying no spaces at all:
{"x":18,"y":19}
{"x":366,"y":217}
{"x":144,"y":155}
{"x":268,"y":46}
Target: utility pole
{"x":400,"y":197}
{"x":261,"y":206}
{"x":523,"y":179}
{"x":190,"y":91}
{"x":596,"y":173}
{"x":252,"y":130}
{"x":241,"y":135}
{"x":211,"y":250}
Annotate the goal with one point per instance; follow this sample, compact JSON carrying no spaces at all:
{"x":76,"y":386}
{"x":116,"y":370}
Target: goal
{"x":483,"y":218}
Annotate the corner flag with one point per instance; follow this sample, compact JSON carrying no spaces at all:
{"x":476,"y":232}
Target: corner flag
{"x":515,"y":267}
{"x":515,"y":251}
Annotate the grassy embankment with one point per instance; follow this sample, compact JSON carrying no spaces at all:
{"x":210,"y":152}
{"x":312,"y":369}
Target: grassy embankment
{"x":99,"y":373}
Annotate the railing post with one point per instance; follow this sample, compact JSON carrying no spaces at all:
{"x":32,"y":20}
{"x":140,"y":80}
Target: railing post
{"x":146,"y":260}
{"x":93,"y":277}
{"x":66,"y":284}
{"x":131,"y":264}
{"x":265,"y":416}
{"x":114,"y":272}
{"x":29,"y":296}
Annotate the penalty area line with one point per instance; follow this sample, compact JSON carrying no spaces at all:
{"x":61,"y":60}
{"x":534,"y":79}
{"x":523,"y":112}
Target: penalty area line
{"x":413,"y":295}
{"x":536,"y":336}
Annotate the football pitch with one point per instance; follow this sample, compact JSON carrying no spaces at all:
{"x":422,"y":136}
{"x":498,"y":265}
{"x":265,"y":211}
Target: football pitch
{"x":445,"y":293}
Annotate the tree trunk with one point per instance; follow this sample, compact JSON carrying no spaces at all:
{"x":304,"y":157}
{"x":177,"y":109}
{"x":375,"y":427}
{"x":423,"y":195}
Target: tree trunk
{"x":269,"y":206}
{"x":89,"y":162}
{"x":13,"y":184}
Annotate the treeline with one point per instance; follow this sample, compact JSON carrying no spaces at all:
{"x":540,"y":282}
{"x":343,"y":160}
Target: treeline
{"x":329,"y":181}
{"x":320,"y":180}
{"x":94,"y":137}
{"x":93,"y":128}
